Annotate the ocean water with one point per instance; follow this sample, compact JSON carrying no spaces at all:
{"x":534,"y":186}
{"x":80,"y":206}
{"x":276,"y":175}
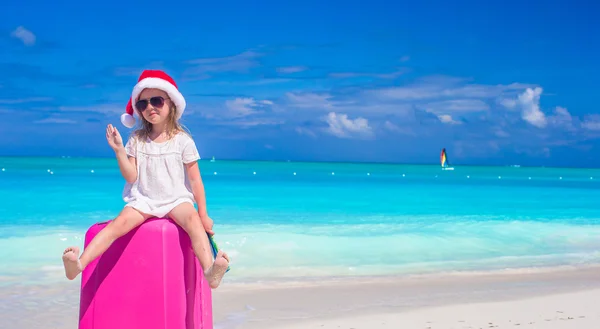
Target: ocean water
{"x":291,"y":220}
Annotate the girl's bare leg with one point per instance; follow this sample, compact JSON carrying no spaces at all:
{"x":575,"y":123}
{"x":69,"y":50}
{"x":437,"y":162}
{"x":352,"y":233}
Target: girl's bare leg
{"x":186,"y":216}
{"x":127,"y":220}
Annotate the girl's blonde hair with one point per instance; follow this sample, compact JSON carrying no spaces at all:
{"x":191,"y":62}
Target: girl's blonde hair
{"x":173,"y":125}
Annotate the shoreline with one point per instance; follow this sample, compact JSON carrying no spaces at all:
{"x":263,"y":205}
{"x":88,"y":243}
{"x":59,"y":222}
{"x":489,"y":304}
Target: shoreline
{"x":54,"y":275}
{"x":345,"y":302}
{"x":307,"y":281}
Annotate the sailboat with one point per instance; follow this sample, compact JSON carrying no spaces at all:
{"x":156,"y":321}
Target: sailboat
{"x":444,"y":160}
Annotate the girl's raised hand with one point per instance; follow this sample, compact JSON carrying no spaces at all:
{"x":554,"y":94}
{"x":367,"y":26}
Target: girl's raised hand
{"x":113,"y":137}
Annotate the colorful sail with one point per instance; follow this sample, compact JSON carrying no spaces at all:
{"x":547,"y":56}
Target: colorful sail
{"x":444,"y":159}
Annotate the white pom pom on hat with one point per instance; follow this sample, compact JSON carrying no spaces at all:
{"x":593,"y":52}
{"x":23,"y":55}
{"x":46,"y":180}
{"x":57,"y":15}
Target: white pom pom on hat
{"x":153,"y":79}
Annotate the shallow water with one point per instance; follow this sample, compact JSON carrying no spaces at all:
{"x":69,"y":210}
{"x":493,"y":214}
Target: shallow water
{"x":329,"y":219}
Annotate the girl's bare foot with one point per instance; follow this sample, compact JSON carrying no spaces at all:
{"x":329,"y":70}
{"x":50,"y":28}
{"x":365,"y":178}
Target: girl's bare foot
{"x":216,"y":272}
{"x":71,"y":261}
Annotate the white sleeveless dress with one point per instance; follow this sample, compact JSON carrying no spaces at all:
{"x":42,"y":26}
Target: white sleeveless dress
{"x":162,"y":181}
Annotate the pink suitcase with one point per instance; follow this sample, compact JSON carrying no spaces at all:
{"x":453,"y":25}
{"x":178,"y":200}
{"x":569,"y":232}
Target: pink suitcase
{"x":149,"y":278}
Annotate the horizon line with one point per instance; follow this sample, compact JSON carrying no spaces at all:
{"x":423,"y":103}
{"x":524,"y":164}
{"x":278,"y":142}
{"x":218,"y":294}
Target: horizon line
{"x":316,"y":161}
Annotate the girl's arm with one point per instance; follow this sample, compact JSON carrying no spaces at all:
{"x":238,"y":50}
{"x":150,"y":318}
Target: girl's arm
{"x":193,"y":172}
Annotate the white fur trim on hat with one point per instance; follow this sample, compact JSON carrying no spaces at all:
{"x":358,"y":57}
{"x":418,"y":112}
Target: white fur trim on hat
{"x":127,"y":120}
{"x":176,"y":97}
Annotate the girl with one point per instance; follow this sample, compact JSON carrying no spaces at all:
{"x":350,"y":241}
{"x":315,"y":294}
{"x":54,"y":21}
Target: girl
{"x":159,"y":164}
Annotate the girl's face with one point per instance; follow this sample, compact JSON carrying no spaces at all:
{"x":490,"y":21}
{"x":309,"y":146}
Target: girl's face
{"x":153,"y":105}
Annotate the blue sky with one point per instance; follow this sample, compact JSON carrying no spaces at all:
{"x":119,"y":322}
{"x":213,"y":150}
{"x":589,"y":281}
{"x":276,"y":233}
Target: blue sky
{"x":382,"y":81}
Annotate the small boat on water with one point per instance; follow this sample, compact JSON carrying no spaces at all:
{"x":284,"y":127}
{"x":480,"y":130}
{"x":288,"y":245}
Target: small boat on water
{"x":444,"y":161}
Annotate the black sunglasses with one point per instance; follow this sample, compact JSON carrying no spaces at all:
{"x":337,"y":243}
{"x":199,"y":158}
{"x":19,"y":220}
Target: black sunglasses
{"x":156,"y":101}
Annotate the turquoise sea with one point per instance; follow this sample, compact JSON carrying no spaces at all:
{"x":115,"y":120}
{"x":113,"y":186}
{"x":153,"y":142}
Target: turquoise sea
{"x":282,"y":220}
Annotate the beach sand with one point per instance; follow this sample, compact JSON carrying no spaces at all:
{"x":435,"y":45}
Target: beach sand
{"x":551,"y":300}
{"x":558,"y":311}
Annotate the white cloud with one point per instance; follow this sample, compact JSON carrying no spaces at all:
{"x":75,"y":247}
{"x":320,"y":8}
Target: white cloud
{"x":388,"y":125}
{"x":407,"y":93}
{"x":391,"y":75}
{"x":56,"y":120}
{"x":444,"y":96}
{"x":355,"y":103}
{"x":449,"y":110}
{"x":456,"y":105}
{"x":243,"y":112}
{"x":508,"y":103}
{"x":529,"y":101}
{"x":341,"y":126}
{"x":241,"y":107}
{"x":310,"y":100}
{"x":239,"y":63}
{"x":257,"y":122}
{"x":499,"y":132}
{"x":445,"y":118}
{"x":591,"y":122}
{"x":23,"y":34}
{"x":561,"y":118}
{"x":444,"y":87}
{"x":291,"y":69}
{"x":25,"y":100}
{"x":104,"y":108}
{"x":260,"y":82}
{"x":249,"y":122}
{"x":305,"y":131}
{"x":475,"y":109}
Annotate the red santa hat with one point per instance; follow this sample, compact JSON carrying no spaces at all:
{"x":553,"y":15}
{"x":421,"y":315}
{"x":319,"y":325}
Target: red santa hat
{"x":153,"y":79}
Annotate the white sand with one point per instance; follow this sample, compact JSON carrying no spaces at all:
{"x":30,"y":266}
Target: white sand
{"x":561,"y":311}
{"x":562,"y":299}
{"x":552,"y":300}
